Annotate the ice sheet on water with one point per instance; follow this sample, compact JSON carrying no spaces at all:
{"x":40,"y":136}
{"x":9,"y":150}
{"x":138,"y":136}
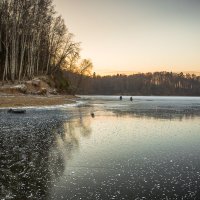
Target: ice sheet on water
{"x":107,"y":157}
{"x":147,"y":105}
{"x":53,"y":107}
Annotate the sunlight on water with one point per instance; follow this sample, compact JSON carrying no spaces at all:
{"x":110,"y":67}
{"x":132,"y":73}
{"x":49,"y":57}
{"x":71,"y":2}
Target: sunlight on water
{"x":134,"y":157}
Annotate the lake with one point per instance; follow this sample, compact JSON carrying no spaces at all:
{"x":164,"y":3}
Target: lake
{"x":147,"y":148}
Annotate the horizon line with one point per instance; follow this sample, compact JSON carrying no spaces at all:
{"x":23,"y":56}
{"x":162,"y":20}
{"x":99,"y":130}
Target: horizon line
{"x":109,"y":73}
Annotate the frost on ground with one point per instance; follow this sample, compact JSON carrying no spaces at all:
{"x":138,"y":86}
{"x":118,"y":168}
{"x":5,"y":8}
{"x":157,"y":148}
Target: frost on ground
{"x":28,"y":147}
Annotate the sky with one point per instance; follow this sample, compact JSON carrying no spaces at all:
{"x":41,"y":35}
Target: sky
{"x":125,"y":36}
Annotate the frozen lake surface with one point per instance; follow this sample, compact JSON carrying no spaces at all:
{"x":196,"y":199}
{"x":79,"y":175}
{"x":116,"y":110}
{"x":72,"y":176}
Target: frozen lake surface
{"x":145,"y":149}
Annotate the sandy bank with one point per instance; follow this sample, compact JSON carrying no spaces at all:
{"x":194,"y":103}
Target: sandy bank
{"x":35,"y":100}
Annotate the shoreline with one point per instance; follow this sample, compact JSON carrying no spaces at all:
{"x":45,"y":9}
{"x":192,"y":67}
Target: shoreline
{"x":14,"y":101}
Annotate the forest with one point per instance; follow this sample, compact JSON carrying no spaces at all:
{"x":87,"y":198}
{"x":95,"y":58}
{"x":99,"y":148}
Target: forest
{"x":158,"y":83}
{"x":34,"y":41}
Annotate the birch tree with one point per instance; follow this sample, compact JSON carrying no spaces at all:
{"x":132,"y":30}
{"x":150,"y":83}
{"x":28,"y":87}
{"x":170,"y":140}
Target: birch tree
{"x":33,"y":40}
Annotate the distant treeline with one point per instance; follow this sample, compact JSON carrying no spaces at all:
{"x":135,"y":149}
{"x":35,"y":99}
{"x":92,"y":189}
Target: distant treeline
{"x":34,"y":41}
{"x":158,"y":83}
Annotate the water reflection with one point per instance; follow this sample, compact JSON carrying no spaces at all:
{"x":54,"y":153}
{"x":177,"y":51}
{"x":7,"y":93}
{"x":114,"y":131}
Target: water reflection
{"x":34,"y":151}
{"x":134,"y":158}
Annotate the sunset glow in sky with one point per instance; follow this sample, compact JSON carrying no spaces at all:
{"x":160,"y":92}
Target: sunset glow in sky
{"x":136,"y":35}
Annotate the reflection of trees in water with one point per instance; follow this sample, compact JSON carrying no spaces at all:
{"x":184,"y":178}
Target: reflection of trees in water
{"x":159,"y":114}
{"x":33,"y":154}
{"x":67,"y":141}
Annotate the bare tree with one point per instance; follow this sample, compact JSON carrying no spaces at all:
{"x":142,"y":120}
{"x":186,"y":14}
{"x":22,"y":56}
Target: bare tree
{"x":84,"y":69}
{"x":33,"y":40}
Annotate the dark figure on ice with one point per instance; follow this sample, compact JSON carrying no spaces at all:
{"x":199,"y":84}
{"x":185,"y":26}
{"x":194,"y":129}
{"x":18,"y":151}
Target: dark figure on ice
{"x":131,"y":99}
{"x":92,"y":115}
{"x":120,"y":98}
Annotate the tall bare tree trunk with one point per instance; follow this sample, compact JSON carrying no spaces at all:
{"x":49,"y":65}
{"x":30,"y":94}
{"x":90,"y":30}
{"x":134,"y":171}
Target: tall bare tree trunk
{"x":5,"y":73}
